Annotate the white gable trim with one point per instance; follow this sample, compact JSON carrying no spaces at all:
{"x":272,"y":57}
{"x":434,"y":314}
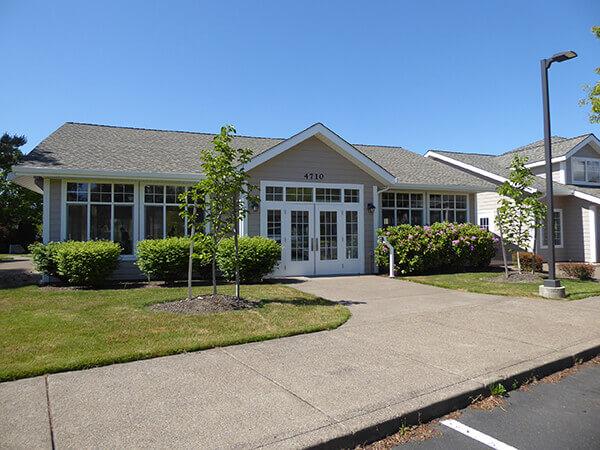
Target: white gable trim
{"x":588,"y":197}
{"x":462,"y":165}
{"x":591,"y":139}
{"x":335,"y":142}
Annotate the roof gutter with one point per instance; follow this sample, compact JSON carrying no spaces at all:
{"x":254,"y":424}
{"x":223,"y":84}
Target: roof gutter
{"x":19,"y":171}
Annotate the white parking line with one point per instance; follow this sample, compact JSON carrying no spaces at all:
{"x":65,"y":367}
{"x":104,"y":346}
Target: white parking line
{"x":477,"y":435}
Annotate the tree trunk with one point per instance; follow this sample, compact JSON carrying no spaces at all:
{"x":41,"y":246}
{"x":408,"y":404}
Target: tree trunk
{"x":236,"y":233}
{"x":191,"y":255}
{"x":214,"y":267}
{"x":519,"y":261}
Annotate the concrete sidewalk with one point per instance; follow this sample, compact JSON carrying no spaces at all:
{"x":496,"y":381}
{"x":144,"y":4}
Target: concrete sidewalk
{"x":407,"y":346}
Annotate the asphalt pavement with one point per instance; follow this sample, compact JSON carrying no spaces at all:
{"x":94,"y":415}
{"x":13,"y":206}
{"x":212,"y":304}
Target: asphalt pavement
{"x":561,"y":415}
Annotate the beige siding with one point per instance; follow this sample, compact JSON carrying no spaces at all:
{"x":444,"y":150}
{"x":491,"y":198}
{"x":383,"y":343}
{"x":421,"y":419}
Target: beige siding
{"x":574,"y":229}
{"x":587,"y":247}
{"x":313,"y":155}
{"x":55,"y":210}
{"x":487,"y":204}
{"x":558,"y":172}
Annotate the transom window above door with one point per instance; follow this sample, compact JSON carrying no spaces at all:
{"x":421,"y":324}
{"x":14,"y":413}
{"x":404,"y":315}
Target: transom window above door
{"x":311,"y":194}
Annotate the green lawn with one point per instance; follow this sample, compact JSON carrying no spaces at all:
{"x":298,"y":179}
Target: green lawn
{"x":44,"y":330}
{"x":478,"y":282}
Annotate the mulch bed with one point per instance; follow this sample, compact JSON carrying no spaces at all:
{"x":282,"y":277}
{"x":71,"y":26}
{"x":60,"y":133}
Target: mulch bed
{"x":516,"y":277}
{"x":206,"y":304}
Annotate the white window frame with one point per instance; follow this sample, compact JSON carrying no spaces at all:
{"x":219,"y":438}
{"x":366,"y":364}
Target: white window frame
{"x":429,"y":209}
{"x":395,"y":208}
{"x":64,"y":202}
{"x":488,"y":223}
{"x":542,"y":232}
{"x":585,"y":161}
{"x":164,"y":204}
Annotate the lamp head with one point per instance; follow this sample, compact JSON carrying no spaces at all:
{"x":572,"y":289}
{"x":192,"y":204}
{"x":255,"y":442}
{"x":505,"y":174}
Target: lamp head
{"x":563,"y":56}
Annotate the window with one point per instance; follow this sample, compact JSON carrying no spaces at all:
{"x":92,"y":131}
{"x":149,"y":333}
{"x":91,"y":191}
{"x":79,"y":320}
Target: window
{"x":162,"y":212}
{"x":402,"y":208}
{"x":274,"y":193}
{"x":351,"y":196}
{"x":558,"y":238}
{"x":274,"y":225}
{"x":586,"y":170}
{"x":100,"y":211}
{"x":484,"y":223}
{"x":351,"y":234}
{"x":328,"y":195}
{"x":298,"y":194}
{"x":447,"y":208}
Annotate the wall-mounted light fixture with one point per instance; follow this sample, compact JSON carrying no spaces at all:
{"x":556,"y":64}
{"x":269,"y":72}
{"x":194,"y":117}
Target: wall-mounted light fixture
{"x":371,"y":208}
{"x":254,"y":207}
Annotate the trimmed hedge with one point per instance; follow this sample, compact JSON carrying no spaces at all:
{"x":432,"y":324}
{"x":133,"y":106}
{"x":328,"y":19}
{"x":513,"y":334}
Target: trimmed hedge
{"x":580,"y":271}
{"x":78,"y":263}
{"x":441,"y":247}
{"x":258,"y":257}
{"x":167,"y":259}
{"x":529,"y":261}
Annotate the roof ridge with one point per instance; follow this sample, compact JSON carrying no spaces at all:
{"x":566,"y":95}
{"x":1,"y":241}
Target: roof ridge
{"x":540,"y":142}
{"x":383,"y":146}
{"x":169,"y":131}
{"x":462,"y":153}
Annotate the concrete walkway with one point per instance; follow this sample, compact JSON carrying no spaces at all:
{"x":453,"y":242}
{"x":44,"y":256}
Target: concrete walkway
{"x":407,"y":346}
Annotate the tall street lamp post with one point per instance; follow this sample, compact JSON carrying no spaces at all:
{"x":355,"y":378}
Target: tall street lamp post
{"x":551,"y":287}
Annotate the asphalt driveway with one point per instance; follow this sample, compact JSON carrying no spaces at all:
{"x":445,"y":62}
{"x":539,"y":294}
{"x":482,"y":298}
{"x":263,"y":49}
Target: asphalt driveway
{"x":407,"y":345}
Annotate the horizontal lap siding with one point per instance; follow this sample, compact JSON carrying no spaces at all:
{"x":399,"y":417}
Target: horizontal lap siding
{"x":55,"y":195}
{"x":574,"y":227}
{"x":314,"y":156}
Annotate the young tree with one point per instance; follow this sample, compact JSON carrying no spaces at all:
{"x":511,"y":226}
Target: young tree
{"x":521,"y":211}
{"x":216,"y":198}
{"x":20,"y":208}
{"x":593,"y":92}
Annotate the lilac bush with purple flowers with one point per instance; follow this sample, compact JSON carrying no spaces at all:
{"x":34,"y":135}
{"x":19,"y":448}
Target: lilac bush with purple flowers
{"x":441,"y":247}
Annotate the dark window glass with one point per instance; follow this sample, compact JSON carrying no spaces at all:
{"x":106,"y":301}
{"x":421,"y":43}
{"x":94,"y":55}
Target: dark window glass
{"x":388,"y":200}
{"x":435,"y":216}
{"x":173,"y":193}
{"x":351,"y":196}
{"x":123,"y":193}
{"x":153,"y":221}
{"x":274,"y":193}
{"x":154,"y":194}
{"x":100,"y":192}
{"x":123,"y":227}
{"x":402,"y":216}
{"x":388,"y":219}
{"x":99,"y":222}
{"x":76,"y":222}
{"x":77,"y":192}
{"x":175,"y":223}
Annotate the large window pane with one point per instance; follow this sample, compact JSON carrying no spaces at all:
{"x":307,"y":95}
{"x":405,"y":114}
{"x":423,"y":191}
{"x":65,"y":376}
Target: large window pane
{"x":387,"y":216}
{"x":123,"y":224}
{"x":435,"y":216}
{"x":175,"y":223}
{"x":100,"y":192}
{"x":153,"y":219}
{"x":416,"y":217}
{"x":100,"y":222}
{"x":402,"y":216}
{"x":593,"y":171}
{"x":578,"y":170}
{"x":352,"y":234}
{"x":76,"y":222}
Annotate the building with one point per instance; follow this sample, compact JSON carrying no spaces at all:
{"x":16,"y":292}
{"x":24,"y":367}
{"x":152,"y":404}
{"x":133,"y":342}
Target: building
{"x":321,"y":197}
{"x":576,"y":177}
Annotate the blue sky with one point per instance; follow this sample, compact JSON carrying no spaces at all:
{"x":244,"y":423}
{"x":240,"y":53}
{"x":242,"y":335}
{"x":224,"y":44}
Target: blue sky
{"x":460,"y":75}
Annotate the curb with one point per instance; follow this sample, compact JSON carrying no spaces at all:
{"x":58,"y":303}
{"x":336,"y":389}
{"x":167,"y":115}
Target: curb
{"x":459,"y":400}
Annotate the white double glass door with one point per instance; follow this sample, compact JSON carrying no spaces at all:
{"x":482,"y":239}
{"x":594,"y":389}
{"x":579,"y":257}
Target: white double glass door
{"x":316,"y":238}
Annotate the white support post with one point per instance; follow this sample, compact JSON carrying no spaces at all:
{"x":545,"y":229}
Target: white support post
{"x":390,"y":248}
{"x":593,"y":224}
{"x":46,"y":212}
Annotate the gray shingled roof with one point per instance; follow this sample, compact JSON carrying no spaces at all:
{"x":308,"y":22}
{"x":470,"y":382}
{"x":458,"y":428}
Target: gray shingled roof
{"x":100,"y":147}
{"x":500,"y":164}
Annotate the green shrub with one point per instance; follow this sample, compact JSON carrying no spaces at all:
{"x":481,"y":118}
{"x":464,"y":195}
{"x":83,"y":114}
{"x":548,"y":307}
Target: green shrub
{"x":581,"y":271}
{"x":85,"y":263}
{"x":441,"y":247}
{"x":167,"y":259}
{"x":529,"y":261}
{"x":258,"y":257}
{"x":43,"y":257}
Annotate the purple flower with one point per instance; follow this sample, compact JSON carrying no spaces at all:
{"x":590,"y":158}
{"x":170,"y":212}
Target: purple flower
{"x":455,"y":242}
{"x":472,"y":247}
